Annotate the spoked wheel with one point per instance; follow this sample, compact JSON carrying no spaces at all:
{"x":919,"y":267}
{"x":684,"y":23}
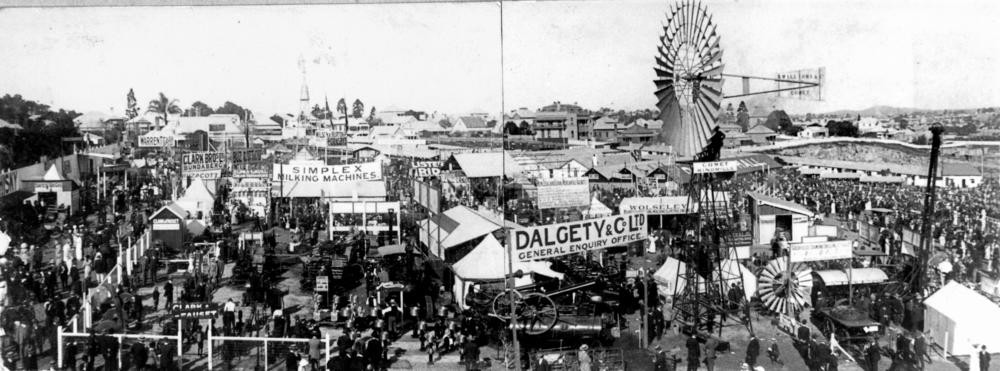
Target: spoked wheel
{"x":539,"y":314}
{"x":501,"y":306}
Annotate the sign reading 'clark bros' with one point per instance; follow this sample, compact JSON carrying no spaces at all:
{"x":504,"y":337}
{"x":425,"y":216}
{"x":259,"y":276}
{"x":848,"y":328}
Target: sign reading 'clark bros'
{"x":368,"y":171}
{"x":553,"y":240}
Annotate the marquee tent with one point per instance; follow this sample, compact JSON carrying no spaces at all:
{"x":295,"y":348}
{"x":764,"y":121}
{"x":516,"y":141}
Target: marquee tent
{"x":958,"y":317}
{"x":197,"y":198}
{"x":488,"y":262}
{"x":597,"y":209}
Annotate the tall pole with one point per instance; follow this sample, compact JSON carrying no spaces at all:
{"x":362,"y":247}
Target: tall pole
{"x":930,"y":197}
{"x":513,"y":307}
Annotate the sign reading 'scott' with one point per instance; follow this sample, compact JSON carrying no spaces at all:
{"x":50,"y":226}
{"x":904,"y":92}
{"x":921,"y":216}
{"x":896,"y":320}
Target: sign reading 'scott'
{"x":328,"y":174}
{"x":553,"y":240}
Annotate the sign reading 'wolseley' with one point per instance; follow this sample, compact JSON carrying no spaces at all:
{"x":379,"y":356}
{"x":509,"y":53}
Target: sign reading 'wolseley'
{"x":667,"y":205}
{"x":818,"y":251}
{"x":553,"y":240}
{"x":570,"y":192}
{"x":326,"y":174}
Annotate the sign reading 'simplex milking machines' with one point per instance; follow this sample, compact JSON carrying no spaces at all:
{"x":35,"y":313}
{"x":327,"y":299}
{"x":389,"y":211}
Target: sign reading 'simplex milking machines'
{"x":546,"y":241}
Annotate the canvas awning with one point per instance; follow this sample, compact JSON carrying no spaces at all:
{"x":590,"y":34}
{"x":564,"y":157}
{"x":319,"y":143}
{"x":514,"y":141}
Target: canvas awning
{"x":859,"y":276}
{"x":670,"y":283}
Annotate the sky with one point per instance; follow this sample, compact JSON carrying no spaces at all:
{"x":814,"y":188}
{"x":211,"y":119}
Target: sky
{"x":488,"y":57}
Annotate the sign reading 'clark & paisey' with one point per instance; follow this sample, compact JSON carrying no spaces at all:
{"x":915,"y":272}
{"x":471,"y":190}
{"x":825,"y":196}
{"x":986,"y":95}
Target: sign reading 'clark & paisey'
{"x":368,"y":171}
{"x":552,"y":240}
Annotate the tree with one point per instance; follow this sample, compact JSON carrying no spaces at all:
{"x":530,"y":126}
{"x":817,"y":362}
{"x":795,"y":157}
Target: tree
{"x":510,"y":128}
{"x":230,"y":108}
{"x":526,"y":129}
{"x":743,"y":117}
{"x":133,"y":110}
{"x":445,"y":123}
{"x":164,"y":106}
{"x":277,"y":118}
{"x":342,"y":107}
{"x":779,"y":121}
{"x":199,"y":108}
{"x":842,"y":128}
{"x":358,"y":109}
{"x":371,"y":116}
{"x":318,"y":112}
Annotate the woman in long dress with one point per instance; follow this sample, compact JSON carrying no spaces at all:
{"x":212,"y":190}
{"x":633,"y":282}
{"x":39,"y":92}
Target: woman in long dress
{"x":974,"y":358}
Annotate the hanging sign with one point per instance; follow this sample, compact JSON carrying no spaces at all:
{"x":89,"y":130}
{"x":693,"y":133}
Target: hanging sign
{"x":205,"y":175}
{"x":195,"y":161}
{"x":423,"y":169}
{"x":203,"y":310}
{"x":569,"y":192}
{"x":818,"y":251}
{"x":322,"y":283}
{"x":368,"y":171}
{"x":667,"y":205}
{"x":156,"y":141}
{"x":715,"y":167}
{"x":249,"y":155}
{"x":553,"y":240}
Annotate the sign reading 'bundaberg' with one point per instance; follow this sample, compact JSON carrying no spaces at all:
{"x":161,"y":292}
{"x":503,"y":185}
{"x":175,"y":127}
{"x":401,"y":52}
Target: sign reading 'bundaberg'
{"x":547,"y":241}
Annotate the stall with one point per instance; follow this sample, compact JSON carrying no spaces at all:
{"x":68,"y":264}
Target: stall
{"x":169,"y":226}
{"x":956,"y":317}
{"x":54,"y":189}
{"x":488,"y":262}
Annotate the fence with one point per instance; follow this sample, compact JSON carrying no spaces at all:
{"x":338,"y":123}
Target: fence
{"x":249,"y":353}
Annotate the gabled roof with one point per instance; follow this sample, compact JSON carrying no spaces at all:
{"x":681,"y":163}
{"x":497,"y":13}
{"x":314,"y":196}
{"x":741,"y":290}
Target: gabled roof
{"x":485,"y":164}
{"x":172,"y":208}
{"x":472,"y":122}
{"x":760,"y":129}
{"x":781,"y":204}
{"x":52,"y":174}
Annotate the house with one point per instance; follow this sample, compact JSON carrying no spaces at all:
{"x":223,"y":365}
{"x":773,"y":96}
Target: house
{"x":762,"y":135}
{"x":470,"y":124}
{"x":523,"y":118}
{"x":605,"y":129}
{"x":814,"y":131}
{"x":636,"y":134}
{"x":219,"y":127}
{"x":872,"y":127}
{"x":555,"y":126}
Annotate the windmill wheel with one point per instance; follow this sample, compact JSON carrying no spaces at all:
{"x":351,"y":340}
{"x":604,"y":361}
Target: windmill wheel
{"x":688,"y":78}
{"x":501,"y":306}
{"x":780,"y":291}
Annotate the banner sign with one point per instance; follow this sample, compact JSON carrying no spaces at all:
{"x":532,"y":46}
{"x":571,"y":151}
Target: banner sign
{"x":50,"y":186}
{"x":166,"y":224}
{"x":322,"y":283}
{"x":206,"y":175}
{"x":202,"y":310}
{"x":569,"y":192}
{"x":8,"y":183}
{"x":195,"y":161}
{"x":553,"y":240}
{"x":715,"y":167}
{"x":800,"y":78}
{"x":667,"y":205}
{"x":368,"y":171}
{"x":818,"y":251}
{"x":423,"y":169}
{"x":156,"y":141}
{"x":427,"y":196}
{"x":250,"y":155}
{"x":252,"y":170}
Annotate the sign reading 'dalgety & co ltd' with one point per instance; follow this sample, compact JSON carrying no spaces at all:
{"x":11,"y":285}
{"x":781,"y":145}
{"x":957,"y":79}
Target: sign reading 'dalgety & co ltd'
{"x":368,"y":171}
{"x":553,"y":240}
{"x":714,"y":167}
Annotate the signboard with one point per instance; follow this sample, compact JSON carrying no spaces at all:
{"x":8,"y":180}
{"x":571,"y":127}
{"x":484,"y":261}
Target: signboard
{"x":569,"y":192}
{"x":322,"y":283}
{"x":715,"y":167}
{"x":423,"y":169}
{"x":166,"y":225}
{"x":243,"y":156}
{"x":427,"y":196}
{"x":156,"y":141}
{"x":818,"y":251}
{"x":42,"y":187}
{"x":368,"y":171}
{"x":195,"y":161}
{"x":812,"y":75}
{"x":8,"y":183}
{"x":257,"y":170}
{"x":667,"y":205}
{"x":202,"y":310}
{"x":207,"y":175}
{"x":553,"y":240}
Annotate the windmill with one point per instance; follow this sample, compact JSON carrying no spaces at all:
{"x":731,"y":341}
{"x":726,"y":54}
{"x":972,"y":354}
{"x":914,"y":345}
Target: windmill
{"x":689,"y":91}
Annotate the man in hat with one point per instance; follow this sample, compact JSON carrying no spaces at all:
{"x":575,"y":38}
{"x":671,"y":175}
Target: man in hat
{"x":583,"y":357}
{"x":753,"y":350}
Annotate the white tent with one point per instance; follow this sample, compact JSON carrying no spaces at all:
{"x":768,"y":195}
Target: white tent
{"x":958,"y":317}
{"x":670,"y":283}
{"x":597,"y":209}
{"x":488,"y":262}
{"x":4,"y":242}
{"x":197,"y":198}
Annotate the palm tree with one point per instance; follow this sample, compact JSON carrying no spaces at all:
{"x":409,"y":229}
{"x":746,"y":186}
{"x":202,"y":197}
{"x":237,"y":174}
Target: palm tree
{"x":164,"y":106}
{"x":358,"y":109}
{"x":342,"y":107}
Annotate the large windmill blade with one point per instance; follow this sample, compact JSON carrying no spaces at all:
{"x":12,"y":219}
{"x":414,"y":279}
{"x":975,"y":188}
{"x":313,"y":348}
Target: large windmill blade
{"x":688,"y":79}
{"x":773,"y":286}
